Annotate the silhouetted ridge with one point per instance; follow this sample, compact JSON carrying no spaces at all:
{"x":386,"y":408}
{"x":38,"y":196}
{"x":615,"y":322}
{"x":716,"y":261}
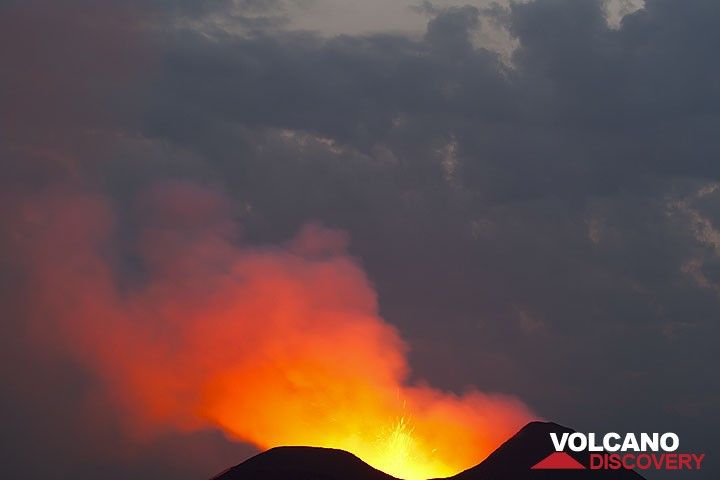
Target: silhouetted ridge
{"x":521,"y":451}
{"x":513,"y":460}
{"x":303,"y":463}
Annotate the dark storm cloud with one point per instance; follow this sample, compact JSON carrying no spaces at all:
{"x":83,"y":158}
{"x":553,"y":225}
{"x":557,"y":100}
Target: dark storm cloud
{"x":543,"y":228}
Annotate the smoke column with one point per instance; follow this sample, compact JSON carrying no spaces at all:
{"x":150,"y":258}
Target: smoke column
{"x":275,"y":345}
{"x":182,"y":325}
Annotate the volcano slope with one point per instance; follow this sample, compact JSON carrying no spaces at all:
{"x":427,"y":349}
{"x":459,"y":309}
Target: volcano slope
{"x":513,"y":460}
{"x":303,"y":463}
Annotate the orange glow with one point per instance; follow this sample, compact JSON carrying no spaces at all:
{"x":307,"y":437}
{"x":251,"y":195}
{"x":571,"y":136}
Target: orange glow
{"x":272,"y":345}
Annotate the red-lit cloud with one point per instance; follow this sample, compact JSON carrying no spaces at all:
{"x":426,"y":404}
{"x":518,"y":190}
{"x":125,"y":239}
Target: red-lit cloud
{"x":274,"y":345}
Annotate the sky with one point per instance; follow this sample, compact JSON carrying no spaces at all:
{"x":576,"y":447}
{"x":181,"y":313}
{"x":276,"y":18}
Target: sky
{"x":530,"y":190}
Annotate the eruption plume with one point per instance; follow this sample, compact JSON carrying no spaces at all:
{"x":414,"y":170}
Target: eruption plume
{"x":274,"y":345}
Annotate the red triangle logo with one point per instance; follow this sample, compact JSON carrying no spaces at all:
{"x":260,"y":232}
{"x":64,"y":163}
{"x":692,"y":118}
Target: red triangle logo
{"x":560,"y":461}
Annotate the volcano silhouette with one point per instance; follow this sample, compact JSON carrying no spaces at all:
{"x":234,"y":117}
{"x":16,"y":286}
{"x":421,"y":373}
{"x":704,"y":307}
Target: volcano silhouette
{"x":513,"y":460}
{"x":303,"y":463}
